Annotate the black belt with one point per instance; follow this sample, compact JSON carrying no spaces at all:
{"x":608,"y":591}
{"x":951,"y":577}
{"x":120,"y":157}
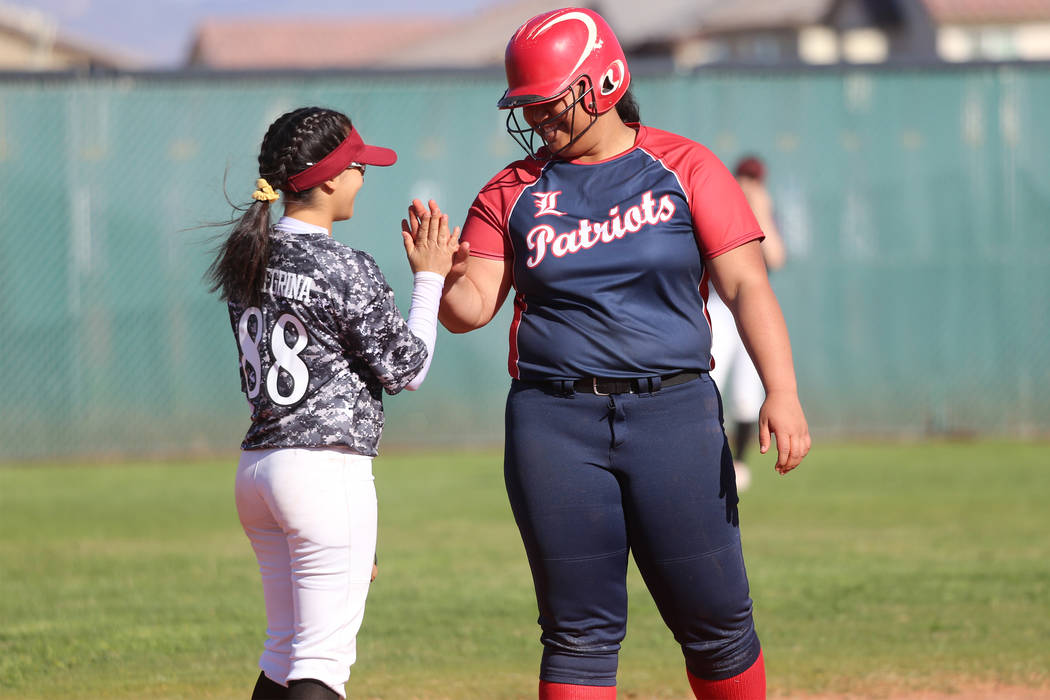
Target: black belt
{"x":629,"y":385}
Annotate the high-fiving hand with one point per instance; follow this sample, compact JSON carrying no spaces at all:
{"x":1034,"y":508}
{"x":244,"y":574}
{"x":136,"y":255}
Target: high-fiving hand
{"x":428,"y":243}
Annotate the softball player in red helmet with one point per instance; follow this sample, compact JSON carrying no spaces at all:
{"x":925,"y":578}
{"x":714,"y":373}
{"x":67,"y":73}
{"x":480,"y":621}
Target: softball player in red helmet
{"x":320,"y":339}
{"x":610,"y":233}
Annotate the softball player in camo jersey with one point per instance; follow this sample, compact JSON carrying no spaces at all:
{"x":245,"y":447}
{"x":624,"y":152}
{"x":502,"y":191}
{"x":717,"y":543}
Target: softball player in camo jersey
{"x":320,"y":339}
{"x":610,"y":234}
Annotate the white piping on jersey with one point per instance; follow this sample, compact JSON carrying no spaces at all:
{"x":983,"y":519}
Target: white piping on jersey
{"x":514,"y":204}
{"x":685,"y":192}
{"x":704,"y":276}
{"x":506,"y":225}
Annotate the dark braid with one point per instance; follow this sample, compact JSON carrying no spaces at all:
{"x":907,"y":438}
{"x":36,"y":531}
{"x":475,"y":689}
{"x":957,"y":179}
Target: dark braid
{"x":302,"y":136}
{"x":297,"y":138}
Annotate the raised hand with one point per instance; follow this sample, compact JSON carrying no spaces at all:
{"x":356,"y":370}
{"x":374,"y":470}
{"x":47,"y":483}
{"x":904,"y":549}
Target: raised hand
{"x":428,"y":243}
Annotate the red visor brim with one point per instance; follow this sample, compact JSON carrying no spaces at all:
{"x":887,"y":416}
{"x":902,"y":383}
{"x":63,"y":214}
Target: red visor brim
{"x":377,"y":155}
{"x":353,"y":149}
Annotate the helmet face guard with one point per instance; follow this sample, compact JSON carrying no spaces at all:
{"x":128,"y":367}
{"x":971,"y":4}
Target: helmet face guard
{"x":550,"y":55}
{"x":525,"y":135}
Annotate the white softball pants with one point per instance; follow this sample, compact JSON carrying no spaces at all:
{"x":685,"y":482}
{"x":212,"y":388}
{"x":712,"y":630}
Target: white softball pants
{"x":310,"y":514}
{"x":734,"y":373}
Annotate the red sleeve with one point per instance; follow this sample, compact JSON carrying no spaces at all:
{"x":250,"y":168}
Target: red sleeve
{"x":486,"y":225}
{"x":485,"y":229}
{"x":722,"y":218}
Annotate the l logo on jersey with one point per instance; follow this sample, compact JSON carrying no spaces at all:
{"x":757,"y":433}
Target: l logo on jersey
{"x":547,"y":203}
{"x":649,"y":212}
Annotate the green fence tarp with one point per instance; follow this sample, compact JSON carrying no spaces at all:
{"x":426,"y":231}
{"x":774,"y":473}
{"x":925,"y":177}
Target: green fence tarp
{"x":915,"y":205}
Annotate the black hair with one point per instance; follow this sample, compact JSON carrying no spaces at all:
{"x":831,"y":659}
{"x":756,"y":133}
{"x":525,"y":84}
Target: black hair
{"x":294,"y":139}
{"x":627,"y":108}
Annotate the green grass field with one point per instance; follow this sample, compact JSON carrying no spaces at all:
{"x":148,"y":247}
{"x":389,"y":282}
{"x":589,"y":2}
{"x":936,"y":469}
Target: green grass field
{"x":873,"y":566}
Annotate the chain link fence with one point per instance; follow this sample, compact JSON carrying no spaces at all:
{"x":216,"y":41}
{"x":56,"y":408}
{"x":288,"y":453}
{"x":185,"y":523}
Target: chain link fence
{"x":914,"y":203}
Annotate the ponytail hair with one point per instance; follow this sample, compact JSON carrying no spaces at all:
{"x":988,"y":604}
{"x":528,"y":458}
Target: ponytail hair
{"x":238,"y":269}
{"x":627,"y":108}
{"x":293,"y":142}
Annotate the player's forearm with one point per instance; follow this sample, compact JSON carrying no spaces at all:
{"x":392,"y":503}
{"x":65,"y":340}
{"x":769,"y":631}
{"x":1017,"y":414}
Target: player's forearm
{"x":764,"y":332}
{"x":462,"y":305}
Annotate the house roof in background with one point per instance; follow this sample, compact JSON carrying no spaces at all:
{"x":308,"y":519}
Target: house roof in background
{"x":765,"y":14}
{"x":988,"y":11}
{"x":233,"y":43}
{"x":477,"y":40}
{"x":480,"y":39}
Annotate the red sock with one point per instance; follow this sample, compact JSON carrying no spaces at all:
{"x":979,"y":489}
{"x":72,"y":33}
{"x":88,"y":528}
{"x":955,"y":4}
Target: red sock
{"x":564,"y":691}
{"x":749,"y":685}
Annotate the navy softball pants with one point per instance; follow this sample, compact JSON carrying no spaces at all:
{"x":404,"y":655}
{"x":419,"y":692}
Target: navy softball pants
{"x":591,"y":478}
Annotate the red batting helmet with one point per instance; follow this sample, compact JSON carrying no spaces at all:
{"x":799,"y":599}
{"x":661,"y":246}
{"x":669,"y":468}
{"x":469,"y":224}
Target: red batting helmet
{"x":552,"y":52}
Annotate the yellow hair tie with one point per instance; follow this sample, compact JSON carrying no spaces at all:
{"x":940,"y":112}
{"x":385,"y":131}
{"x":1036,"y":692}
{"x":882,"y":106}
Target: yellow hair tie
{"x":265,"y":193}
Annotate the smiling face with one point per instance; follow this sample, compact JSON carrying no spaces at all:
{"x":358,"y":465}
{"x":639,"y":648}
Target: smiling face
{"x":560,"y":121}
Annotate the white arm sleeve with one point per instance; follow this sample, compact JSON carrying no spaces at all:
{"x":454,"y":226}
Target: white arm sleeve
{"x":422,"y":317}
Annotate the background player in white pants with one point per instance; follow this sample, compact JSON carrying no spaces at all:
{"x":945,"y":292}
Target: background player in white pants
{"x":320,"y":339}
{"x":734,"y":372}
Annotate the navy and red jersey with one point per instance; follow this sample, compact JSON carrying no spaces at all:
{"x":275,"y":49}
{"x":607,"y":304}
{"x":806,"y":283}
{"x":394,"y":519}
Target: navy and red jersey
{"x":609,"y":257}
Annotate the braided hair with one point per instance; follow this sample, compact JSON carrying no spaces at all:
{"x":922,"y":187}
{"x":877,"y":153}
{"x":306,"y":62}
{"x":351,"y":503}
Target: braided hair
{"x":294,"y":141}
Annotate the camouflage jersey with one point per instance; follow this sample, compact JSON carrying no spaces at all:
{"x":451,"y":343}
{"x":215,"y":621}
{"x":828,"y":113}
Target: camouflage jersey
{"x":324,"y":342}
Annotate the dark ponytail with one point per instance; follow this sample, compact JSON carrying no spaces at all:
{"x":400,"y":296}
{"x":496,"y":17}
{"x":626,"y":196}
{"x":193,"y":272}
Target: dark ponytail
{"x":294,"y":140}
{"x":627,"y":108}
